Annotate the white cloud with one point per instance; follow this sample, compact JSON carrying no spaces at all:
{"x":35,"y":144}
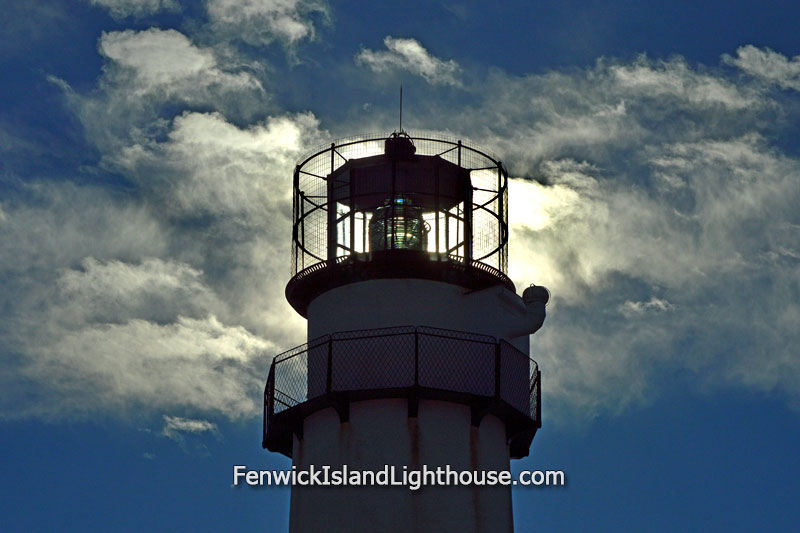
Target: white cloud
{"x":165,"y":298}
{"x":167,"y":62}
{"x":125,"y":8}
{"x":159,"y":294}
{"x":63,"y":224}
{"x":657,"y":212}
{"x":207,"y":164}
{"x":633,"y":309}
{"x":175,"y":425}
{"x":674,"y":79}
{"x":613,"y":106}
{"x":767,"y":65}
{"x":240,"y":178}
{"x":260,"y":22}
{"x":714,"y":250}
{"x":118,"y":312}
{"x":410,"y":55}
{"x":148,"y":75}
{"x":113,"y":334}
{"x":199,"y":364}
{"x":647,"y":196}
{"x":116,"y":291}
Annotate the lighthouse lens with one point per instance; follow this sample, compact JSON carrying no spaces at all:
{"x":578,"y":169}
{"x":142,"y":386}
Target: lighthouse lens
{"x":398,"y":225}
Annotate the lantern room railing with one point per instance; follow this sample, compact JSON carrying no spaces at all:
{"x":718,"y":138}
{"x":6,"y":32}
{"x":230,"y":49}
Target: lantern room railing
{"x":397,"y":205}
{"x":416,"y":363}
{"x":454,"y":204}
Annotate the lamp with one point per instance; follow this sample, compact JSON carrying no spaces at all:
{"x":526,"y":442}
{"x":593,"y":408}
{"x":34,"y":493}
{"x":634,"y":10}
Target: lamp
{"x":398,"y":224}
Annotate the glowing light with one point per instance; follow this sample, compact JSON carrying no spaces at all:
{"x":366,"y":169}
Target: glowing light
{"x":398,"y":225}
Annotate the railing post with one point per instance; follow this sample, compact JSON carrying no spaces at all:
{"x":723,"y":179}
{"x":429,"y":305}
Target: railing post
{"x":413,"y":396}
{"x":333,"y":238}
{"x":538,"y":397}
{"x":497,"y":369}
{"x":328,"y":378}
{"x":416,"y":357}
{"x":270,"y":390}
{"x":269,"y":403}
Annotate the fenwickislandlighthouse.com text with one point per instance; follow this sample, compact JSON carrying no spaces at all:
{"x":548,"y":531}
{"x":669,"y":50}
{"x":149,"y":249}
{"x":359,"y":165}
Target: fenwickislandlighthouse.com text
{"x":393,"y":476}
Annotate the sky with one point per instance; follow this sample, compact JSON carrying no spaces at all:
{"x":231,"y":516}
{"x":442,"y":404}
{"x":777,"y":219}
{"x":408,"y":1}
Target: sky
{"x":146,"y":153}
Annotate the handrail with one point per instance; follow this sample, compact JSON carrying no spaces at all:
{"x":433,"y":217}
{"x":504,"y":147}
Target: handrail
{"x":483,"y":237}
{"x":401,"y":361}
{"x":453,"y":261}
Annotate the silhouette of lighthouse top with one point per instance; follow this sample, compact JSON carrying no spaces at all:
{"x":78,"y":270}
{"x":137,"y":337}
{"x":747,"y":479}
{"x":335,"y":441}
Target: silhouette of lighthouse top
{"x":399,"y":261}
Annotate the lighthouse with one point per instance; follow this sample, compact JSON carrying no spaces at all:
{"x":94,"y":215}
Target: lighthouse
{"x":418,"y":343}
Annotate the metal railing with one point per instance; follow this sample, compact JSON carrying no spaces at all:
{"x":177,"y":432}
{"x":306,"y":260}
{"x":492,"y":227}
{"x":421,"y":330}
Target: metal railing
{"x":321,"y":231}
{"x":402,"y":362}
{"x":452,"y":261}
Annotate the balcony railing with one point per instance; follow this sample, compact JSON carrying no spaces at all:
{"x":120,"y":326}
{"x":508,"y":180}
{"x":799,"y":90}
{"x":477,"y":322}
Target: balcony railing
{"x":490,"y":376}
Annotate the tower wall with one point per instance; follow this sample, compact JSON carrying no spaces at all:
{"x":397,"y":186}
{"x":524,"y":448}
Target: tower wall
{"x":382,"y":303}
{"x":380,"y":433}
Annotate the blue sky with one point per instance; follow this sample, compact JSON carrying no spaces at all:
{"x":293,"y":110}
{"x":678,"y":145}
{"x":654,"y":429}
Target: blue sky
{"x":146,"y":149}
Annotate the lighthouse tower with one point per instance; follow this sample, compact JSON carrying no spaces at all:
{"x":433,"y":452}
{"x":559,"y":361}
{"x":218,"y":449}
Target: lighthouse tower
{"x":417,"y":352}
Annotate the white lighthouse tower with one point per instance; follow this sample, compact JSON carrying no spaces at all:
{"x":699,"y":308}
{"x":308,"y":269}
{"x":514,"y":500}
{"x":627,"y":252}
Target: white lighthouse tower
{"x":417,"y":350}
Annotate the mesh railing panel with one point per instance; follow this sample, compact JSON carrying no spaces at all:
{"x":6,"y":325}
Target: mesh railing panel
{"x":317,"y":369}
{"x":514,"y":376}
{"x":391,"y":358}
{"x":456,"y":364}
{"x":291,"y":381}
{"x":373,"y":362}
{"x":535,"y":394}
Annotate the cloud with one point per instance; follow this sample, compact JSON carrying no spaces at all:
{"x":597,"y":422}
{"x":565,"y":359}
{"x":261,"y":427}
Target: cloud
{"x":260,"y":22}
{"x":125,"y":8}
{"x":410,"y":55}
{"x":53,"y":225}
{"x":164,"y":302}
{"x":632,"y":309}
{"x":98,"y":323}
{"x":160,"y":295}
{"x":138,"y":366}
{"x":151,"y":75}
{"x":237,"y":181}
{"x":767,"y":65}
{"x":175,"y":425}
{"x":166,"y":62}
{"x":181,"y":430}
{"x":675,"y":80}
{"x":115,"y":291}
{"x":650,"y":196}
{"x":613,"y":106}
{"x":650,"y":200}
{"x":209,"y":165}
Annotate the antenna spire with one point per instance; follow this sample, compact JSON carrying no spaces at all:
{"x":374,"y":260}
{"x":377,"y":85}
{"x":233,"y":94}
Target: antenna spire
{"x":401,"y":107}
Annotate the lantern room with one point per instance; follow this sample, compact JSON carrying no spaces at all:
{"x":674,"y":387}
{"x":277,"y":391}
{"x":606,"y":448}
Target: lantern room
{"x":397,"y":206}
